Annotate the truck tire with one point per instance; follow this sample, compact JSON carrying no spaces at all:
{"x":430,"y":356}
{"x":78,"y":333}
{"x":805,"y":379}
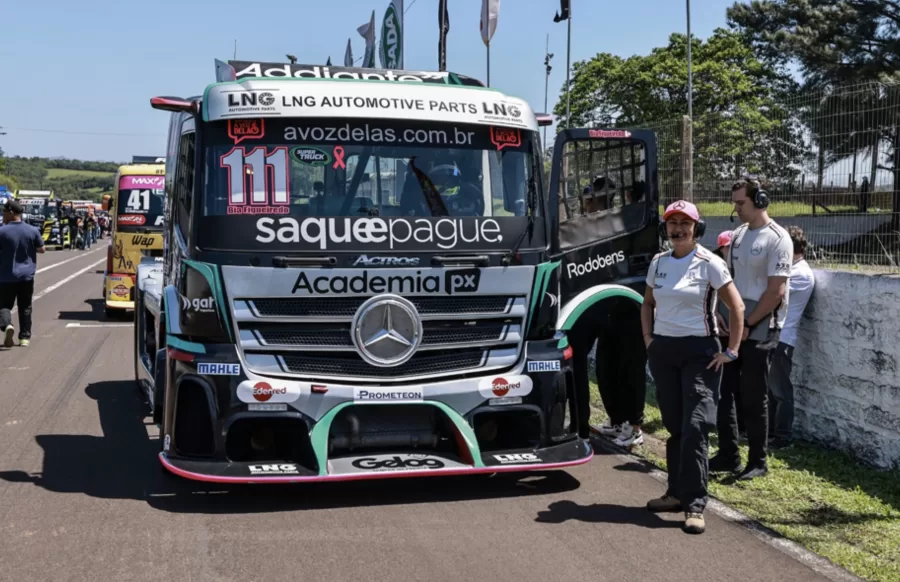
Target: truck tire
{"x":159,"y":384}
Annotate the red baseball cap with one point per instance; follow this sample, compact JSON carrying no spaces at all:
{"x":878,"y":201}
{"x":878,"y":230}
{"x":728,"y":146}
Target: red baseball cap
{"x":682,"y":207}
{"x":724,"y":238}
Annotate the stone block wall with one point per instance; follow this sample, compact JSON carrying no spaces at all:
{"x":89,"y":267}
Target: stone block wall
{"x":846,"y":370}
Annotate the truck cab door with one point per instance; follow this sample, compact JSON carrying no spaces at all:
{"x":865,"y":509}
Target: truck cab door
{"x":604,"y":198}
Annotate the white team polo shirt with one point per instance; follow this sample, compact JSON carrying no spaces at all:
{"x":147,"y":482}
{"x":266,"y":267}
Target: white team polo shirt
{"x":757,"y":255}
{"x":686,"y":292}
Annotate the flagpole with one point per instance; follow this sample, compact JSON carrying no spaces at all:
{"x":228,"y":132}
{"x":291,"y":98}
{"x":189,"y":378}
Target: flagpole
{"x":547,"y":58}
{"x":489,"y":64}
{"x":568,"y":67}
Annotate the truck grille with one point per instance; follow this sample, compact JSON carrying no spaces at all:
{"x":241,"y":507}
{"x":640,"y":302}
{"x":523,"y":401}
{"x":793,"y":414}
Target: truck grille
{"x":311,"y":337}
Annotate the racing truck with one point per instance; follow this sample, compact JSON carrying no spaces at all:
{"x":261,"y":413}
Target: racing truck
{"x":41,"y":209}
{"x":367,"y":274}
{"x":136,"y":224}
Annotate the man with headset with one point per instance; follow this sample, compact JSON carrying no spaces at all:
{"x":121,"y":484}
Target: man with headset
{"x":759,"y":258}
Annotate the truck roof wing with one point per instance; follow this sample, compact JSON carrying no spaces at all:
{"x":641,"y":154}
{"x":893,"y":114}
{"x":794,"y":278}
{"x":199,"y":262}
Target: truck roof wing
{"x":237,"y":70}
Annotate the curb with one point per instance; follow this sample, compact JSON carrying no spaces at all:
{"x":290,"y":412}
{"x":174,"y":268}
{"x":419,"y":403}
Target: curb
{"x":768,"y":536}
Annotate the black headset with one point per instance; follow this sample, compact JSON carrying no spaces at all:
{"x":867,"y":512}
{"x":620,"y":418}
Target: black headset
{"x":699,"y":229}
{"x":760,"y":197}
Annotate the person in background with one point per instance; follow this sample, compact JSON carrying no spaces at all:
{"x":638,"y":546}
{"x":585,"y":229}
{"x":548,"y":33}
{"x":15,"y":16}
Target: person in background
{"x":723,"y":242}
{"x":759,"y":259}
{"x":19,"y":245}
{"x":686,"y":356}
{"x":621,"y":375}
{"x":87,"y":227}
{"x":73,"y":229}
{"x":781,"y":390}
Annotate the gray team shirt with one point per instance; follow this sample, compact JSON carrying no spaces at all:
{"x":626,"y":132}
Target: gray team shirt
{"x":753,"y":257}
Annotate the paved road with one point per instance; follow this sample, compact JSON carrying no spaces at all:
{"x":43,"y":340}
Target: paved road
{"x":82,"y":496}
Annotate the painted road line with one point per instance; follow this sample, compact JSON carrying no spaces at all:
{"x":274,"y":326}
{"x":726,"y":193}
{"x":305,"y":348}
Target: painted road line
{"x":99,"y":325}
{"x":59,"y":284}
{"x":54,"y":265}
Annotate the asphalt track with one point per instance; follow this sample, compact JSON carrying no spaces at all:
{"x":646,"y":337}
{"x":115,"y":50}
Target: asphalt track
{"x":82,"y":496}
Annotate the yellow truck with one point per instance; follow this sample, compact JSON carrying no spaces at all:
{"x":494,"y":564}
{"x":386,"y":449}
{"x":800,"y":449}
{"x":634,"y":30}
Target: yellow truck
{"x":42,"y":210}
{"x":136,"y":217}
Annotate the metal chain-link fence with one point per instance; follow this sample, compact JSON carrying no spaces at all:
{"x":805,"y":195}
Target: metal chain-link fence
{"x":830,"y":160}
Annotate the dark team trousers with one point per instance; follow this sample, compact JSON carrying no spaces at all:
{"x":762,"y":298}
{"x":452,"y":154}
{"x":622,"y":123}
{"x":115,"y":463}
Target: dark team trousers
{"x":687,"y":392}
{"x":781,"y":393}
{"x":12,"y":294}
{"x":621,"y":372}
{"x":746,"y":378}
{"x":621,"y":360}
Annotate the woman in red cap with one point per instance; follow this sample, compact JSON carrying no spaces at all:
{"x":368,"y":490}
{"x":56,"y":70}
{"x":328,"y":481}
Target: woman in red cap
{"x":678,"y":318}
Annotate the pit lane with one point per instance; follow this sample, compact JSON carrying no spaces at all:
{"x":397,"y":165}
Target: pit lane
{"x":83,"y":497}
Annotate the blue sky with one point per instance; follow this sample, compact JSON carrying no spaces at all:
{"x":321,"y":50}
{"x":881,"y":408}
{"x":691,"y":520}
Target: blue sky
{"x":76,"y":70}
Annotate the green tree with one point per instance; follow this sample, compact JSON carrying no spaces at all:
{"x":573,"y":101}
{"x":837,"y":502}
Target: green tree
{"x":11,"y":183}
{"x":836,"y":43}
{"x":739,"y":124}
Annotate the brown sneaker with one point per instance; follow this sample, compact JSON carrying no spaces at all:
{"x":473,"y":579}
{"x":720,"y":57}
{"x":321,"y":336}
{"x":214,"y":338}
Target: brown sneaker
{"x":8,"y":336}
{"x":664,"y":503}
{"x":694,"y":523}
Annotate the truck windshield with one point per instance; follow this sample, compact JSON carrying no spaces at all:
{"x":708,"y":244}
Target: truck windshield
{"x":300,"y":175}
{"x":140,"y":203}
{"x":33,"y":206}
{"x":51,"y":209}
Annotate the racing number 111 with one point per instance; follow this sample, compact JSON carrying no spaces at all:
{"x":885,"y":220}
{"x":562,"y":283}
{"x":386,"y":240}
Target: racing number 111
{"x":264,"y":176}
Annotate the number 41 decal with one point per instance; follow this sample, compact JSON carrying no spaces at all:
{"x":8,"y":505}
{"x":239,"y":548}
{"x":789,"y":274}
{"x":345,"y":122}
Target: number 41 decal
{"x":138,"y":200}
{"x":257,"y":179}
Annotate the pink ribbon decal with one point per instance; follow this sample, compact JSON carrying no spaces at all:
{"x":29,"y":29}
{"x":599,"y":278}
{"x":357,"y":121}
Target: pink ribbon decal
{"x":339,"y":158}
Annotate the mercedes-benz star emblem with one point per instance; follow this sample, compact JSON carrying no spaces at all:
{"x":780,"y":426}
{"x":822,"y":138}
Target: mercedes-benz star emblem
{"x":387,"y":330}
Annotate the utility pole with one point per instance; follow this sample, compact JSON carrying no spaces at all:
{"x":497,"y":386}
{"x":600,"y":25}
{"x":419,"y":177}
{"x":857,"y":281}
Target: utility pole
{"x":547,"y":58}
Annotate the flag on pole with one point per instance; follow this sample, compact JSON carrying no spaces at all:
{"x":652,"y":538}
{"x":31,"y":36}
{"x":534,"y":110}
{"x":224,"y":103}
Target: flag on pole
{"x":563,"y":13}
{"x":367,"y":31}
{"x":348,"y":55}
{"x":391,"y":43}
{"x":490,"y":10}
{"x":444,"y":28}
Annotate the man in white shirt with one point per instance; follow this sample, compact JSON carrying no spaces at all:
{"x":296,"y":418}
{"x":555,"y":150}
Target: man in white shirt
{"x":760,"y":261}
{"x":781,"y":390}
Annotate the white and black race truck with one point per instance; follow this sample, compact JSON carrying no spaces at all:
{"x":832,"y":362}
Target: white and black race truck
{"x":367,"y":274}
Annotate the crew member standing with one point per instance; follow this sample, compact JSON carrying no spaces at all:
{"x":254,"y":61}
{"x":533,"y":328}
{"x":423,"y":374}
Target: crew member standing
{"x":781,"y":397}
{"x":19,"y":245}
{"x":760,"y":261}
{"x":686,"y":356}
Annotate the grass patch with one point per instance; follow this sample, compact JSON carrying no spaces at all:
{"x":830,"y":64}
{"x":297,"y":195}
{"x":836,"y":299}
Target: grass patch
{"x":63,"y":173}
{"x":822,"y":499}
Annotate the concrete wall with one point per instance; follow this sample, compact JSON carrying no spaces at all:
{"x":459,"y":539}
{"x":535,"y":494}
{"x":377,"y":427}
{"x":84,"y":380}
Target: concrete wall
{"x":822,"y":229}
{"x":846,"y":371}
{"x":846,"y":377}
